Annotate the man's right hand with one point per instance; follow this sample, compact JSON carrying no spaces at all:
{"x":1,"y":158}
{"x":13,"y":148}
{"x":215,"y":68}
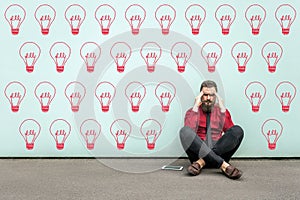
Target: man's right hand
{"x":198,"y":102}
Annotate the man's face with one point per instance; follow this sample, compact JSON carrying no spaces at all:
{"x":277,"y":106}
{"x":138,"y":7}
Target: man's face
{"x":208,"y":98}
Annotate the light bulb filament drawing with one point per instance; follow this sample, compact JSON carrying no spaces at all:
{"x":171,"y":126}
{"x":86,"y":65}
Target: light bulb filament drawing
{"x":120,"y":130}
{"x":285,"y":92}
{"x":15,"y":16}
{"x":255,"y":92}
{"x":151,"y":130}
{"x":90,"y":130}
{"x":285,"y":14}
{"x":29,"y":130}
{"x":105,"y":99}
{"x":15,"y":93}
{"x":195,"y":16}
{"x":105,"y":93}
{"x":272,"y":130}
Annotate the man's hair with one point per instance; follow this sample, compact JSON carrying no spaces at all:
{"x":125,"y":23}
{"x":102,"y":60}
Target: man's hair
{"x":208,"y":84}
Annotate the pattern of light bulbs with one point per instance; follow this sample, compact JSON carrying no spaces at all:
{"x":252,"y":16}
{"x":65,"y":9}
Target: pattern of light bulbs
{"x":105,"y":15}
{"x":15,"y":15}
{"x":285,"y":92}
{"x":181,"y":53}
{"x":255,"y":92}
{"x":60,"y":130}
{"x":30,"y":53}
{"x":120,"y":52}
{"x":75,"y":93}
{"x":135,"y":93}
{"x":90,"y":53}
{"x":30,"y":130}
{"x":272,"y":130}
{"x":255,"y":15}
{"x":241,"y":53}
{"x":90,"y":130}
{"x":211,"y":53}
{"x":165,"y":93}
{"x":15,"y":92}
{"x":45,"y":93}
{"x":151,"y":53}
{"x":120,"y":129}
{"x":285,"y":14}
{"x":75,"y":15}
{"x":225,"y":15}
{"x":151,"y":130}
{"x":165,"y":15}
{"x":105,"y":93}
{"x":60,"y":53}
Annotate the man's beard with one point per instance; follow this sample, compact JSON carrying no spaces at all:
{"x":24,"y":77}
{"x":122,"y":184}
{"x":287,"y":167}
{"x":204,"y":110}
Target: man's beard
{"x":207,"y":108}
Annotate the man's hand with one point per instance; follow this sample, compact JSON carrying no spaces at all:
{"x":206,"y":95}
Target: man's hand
{"x":198,"y":102}
{"x":221,"y":103}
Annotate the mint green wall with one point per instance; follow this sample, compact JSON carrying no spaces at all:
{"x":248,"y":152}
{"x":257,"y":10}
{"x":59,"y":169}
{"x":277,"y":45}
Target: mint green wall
{"x":232,"y":83}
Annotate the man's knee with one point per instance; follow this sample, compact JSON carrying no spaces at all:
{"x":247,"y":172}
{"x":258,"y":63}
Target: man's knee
{"x":238,"y":132}
{"x":185,"y":133}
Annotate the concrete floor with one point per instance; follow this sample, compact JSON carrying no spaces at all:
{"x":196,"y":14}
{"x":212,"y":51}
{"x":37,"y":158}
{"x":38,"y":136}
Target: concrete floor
{"x":142,"y":179}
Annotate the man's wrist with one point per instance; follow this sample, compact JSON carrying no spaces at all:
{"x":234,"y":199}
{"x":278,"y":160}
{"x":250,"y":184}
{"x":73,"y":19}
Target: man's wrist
{"x":195,"y":108}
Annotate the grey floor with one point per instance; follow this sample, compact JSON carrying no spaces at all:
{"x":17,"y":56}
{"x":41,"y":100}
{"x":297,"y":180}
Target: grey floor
{"x":142,"y":179}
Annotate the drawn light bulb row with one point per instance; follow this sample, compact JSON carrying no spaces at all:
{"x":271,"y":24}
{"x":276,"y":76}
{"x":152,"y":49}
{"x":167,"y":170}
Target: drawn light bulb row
{"x":150,"y":52}
{"x":90,"y":130}
{"x":285,"y":92}
{"x":135,"y":15}
{"x":75,"y":92}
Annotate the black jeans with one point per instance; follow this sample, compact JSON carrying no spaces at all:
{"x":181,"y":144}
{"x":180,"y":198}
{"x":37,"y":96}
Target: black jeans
{"x":223,"y":150}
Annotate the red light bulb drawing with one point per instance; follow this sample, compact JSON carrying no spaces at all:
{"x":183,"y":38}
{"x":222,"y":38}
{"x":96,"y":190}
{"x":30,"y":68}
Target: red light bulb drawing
{"x":165,"y":93}
{"x":135,"y":93}
{"x":90,"y":130}
{"x":120,"y":129}
{"x":211,"y":53}
{"x":75,"y":15}
{"x":105,"y":15}
{"x":45,"y":15}
{"x":90,"y":52}
{"x":60,"y":130}
{"x":15,"y":93}
{"x":15,"y":15}
{"x":151,"y":130}
{"x":105,"y":93}
{"x":285,"y":14}
{"x":241,"y":53}
{"x":225,"y":15}
{"x":195,"y":16}
{"x":165,"y":16}
{"x":151,"y":52}
{"x":45,"y":93}
{"x":135,"y":16}
{"x":30,"y":53}
{"x":181,"y":53}
{"x":272,"y":130}
{"x":120,"y":52}
{"x":75,"y":93}
{"x":272,"y":53}
{"x":255,"y":15}
{"x":30,"y":130}
{"x":60,"y":53}
{"x":255,"y":92}
{"x":285,"y":92}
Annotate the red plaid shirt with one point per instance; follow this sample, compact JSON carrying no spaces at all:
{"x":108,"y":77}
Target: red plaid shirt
{"x":219,"y":122}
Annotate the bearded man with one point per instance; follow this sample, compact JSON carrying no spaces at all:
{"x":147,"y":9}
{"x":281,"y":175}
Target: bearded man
{"x":209,"y":136}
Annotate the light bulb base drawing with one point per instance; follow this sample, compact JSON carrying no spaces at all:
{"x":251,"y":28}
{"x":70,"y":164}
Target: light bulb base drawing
{"x":120,"y":68}
{"x":225,"y":31}
{"x":135,"y":108}
{"x":60,"y":68}
{"x":211,"y":68}
{"x":150,"y":146}
{"x":15,"y":108}
{"x":75,"y":31}
{"x":120,"y":146}
{"x":255,"y":108}
{"x":29,"y":146}
{"x":150,"y":69}
{"x":90,"y":68}
{"x":45,"y":31}
{"x":181,"y":69}
{"x":29,"y":68}
{"x":90,"y":146}
{"x":15,"y":31}
{"x":165,"y":31}
{"x":135,"y":31}
{"x":45,"y":108}
{"x":195,"y":31}
{"x":241,"y":68}
{"x":272,"y":146}
{"x":105,"y":108}
{"x":272,"y":69}
{"x":285,"y":108}
{"x":60,"y":146}
{"x":255,"y":31}
{"x":285,"y":31}
{"x":75,"y":108}
{"x":165,"y":108}
{"x":105,"y":31}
